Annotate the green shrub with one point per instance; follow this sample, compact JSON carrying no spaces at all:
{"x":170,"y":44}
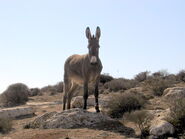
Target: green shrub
{"x":177,"y":115}
{"x":105,"y":78}
{"x":140,"y":77}
{"x":5,"y":125}
{"x":157,"y":85}
{"x":16,"y":94}
{"x":141,"y":119}
{"x":125,"y":102}
{"x":120,"y":84}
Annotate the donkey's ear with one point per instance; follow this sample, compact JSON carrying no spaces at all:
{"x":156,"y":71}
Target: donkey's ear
{"x":98,"y":33}
{"x":88,"y":33}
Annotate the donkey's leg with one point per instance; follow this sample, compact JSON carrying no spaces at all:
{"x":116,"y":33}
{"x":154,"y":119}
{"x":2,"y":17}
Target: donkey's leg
{"x":85,"y":96}
{"x":96,"y":93}
{"x":70,"y":95}
{"x":66,"y":90}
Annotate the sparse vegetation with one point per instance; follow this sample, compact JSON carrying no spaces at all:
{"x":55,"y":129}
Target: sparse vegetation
{"x":177,"y":115}
{"x":34,"y":92}
{"x":16,"y":94}
{"x":120,"y":84}
{"x":181,"y":75}
{"x":124,"y":102}
{"x":142,"y":76}
{"x":5,"y":125}
{"x":141,"y":119}
{"x":105,"y":78}
{"x":53,"y":89}
{"x":157,"y":85}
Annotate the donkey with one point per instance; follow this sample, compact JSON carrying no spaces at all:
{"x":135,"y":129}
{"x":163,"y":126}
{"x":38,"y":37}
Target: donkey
{"x":82,"y":70}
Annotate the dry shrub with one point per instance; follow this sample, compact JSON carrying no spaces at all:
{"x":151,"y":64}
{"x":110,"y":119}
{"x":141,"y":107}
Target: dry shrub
{"x":177,"y":115}
{"x":5,"y":125}
{"x":140,"y":77}
{"x":34,"y":92}
{"x":124,"y":102}
{"x":105,"y":78}
{"x":16,"y":94}
{"x":181,"y":75}
{"x":53,"y":89}
{"x":141,"y":119}
{"x":157,"y":85}
{"x":120,"y":84}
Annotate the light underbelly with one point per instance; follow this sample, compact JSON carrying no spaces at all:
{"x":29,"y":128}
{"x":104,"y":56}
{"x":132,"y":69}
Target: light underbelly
{"x":79,"y":80}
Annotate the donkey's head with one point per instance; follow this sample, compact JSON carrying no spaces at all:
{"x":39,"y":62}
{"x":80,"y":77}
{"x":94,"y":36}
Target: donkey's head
{"x":93,"y":45}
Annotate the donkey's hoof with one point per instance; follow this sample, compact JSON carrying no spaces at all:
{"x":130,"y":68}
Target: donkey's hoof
{"x":97,"y":110}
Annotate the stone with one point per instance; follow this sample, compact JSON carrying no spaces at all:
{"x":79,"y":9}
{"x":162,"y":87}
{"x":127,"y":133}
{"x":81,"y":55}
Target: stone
{"x":161,"y":127}
{"x":174,"y":92}
{"x":73,"y":118}
{"x":16,"y":112}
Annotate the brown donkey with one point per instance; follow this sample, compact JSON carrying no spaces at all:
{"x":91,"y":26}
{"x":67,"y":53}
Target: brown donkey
{"x":81,"y":70}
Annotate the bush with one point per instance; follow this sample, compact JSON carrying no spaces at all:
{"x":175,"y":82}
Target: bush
{"x":105,"y":78}
{"x":53,"y":89}
{"x":16,"y":94}
{"x":162,"y":73}
{"x":157,"y":85}
{"x":120,"y":84}
{"x":125,"y":102}
{"x":34,"y":92}
{"x":177,"y":115}
{"x":5,"y":125}
{"x":181,"y":75}
{"x":141,"y":119}
{"x":140,"y":77}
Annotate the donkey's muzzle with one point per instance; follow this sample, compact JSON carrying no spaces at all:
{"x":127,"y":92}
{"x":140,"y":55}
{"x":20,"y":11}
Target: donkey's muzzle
{"x":93,"y":60}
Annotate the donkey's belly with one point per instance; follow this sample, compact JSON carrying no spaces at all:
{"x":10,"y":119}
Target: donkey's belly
{"x":78,"y":80}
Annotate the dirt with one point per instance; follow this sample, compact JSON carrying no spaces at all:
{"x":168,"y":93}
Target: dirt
{"x":101,"y":132}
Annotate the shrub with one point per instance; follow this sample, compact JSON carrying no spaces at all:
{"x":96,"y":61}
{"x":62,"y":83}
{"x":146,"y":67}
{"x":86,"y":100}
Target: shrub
{"x":34,"y":91}
{"x":125,"y":102}
{"x":181,"y":75}
{"x":105,"y":78}
{"x":141,"y":119}
{"x":120,"y":84}
{"x":140,"y":77}
{"x":157,"y":85}
{"x":16,"y":94}
{"x":177,"y":115}
{"x":5,"y":125}
{"x":162,"y":73}
{"x":53,"y":89}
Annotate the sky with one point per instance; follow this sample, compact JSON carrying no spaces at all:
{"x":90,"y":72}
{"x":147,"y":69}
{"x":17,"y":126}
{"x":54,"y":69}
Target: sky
{"x":37,"y":36}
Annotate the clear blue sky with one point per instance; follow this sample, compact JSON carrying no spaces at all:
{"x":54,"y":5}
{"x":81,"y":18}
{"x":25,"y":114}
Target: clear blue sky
{"x":37,"y":36}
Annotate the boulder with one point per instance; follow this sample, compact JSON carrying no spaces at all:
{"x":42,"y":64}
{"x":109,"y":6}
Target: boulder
{"x":162,"y":128}
{"x":16,"y":112}
{"x":159,"y":126}
{"x":73,"y":118}
{"x":77,"y":102}
{"x":174,"y":92}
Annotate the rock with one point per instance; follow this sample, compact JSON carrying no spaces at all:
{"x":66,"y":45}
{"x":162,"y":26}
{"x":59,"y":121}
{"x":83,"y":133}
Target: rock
{"x":43,"y":103}
{"x":77,"y":102}
{"x":73,"y":118}
{"x":161,"y":128}
{"x":16,"y":112}
{"x":174,"y":92}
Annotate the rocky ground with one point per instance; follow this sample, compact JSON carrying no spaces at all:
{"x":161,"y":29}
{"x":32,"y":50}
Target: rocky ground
{"x":46,"y":120}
